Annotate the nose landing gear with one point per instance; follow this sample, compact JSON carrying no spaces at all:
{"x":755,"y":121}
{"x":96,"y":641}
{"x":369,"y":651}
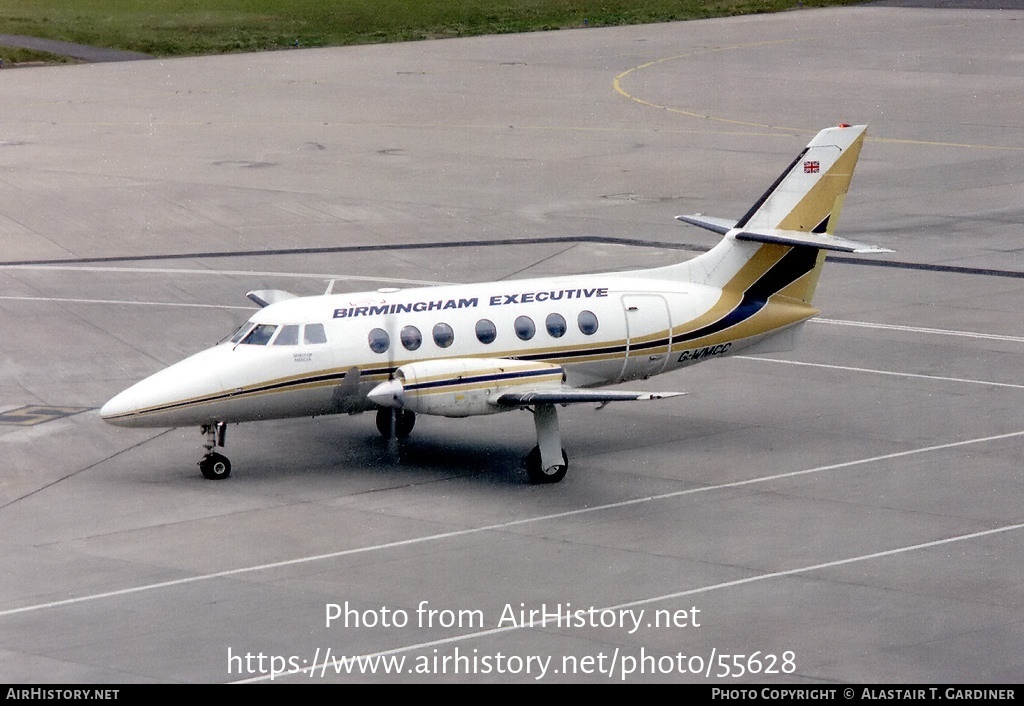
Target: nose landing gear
{"x":215,"y":466}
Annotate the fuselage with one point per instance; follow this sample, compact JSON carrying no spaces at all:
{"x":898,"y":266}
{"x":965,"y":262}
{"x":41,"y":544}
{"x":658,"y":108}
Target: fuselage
{"x":318,"y":355}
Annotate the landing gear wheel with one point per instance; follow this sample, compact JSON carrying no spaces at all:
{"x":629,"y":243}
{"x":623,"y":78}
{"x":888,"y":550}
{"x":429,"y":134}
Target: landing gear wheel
{"x":215,"y":467}
{"x":538,"y":474}
{"x":404,"y":422}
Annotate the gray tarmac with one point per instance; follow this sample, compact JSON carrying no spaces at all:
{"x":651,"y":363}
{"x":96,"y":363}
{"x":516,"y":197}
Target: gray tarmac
{"x":846,"y":513}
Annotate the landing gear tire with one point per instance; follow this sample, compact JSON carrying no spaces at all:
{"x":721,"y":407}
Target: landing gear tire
{"x":538,"y":474}
{"x":215,"y":467}
{"x":404,"y":422}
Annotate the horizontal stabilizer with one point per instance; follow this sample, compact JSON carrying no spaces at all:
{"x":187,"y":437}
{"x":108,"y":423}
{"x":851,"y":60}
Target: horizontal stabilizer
{"x":822,"y":241}
{"x":715,"y":225}
{"x":573,"y":396}
{"x":266,"y":297}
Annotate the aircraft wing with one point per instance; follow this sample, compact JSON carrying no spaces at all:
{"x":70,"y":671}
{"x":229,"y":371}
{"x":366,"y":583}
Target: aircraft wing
{"x":568,"y":395}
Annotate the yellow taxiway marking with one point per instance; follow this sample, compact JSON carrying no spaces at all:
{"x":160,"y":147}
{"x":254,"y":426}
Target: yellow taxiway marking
{"x":618,"y":81}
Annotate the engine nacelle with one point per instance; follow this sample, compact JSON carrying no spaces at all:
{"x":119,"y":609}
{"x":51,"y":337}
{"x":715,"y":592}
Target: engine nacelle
{"x":462,"y":387}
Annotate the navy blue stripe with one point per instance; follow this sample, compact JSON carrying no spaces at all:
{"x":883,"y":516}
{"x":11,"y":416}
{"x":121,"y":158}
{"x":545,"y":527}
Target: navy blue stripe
{"x":482,"y":378}
{"x":741,"y":223}
{"x":791,"y":267}
{"x":220,"y":396}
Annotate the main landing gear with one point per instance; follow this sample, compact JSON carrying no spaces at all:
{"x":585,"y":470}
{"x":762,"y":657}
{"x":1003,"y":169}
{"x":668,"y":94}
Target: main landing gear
{"x":215,"y":466}
{"x":538,"y":474}
{"x":397,"y":423}
{"x":547,"y":462}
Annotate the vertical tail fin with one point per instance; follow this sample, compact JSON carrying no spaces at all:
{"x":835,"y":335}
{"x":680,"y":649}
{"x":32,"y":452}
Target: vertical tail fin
{"x":808,"y":196}
{"x":801,"y":207}
{"x":778,"y":243}
{"x":767,"y":265}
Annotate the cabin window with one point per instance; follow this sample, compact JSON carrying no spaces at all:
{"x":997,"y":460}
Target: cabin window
{"x":555,"y":324}
{"x":443,"y":335}
{"x":411,"y":338}
{"x":379,"y":340}
{"x":314,"y":334}
{"x":525,"y":328}
{"x":289,"y":336}
{"x":587,"y":321}
{"x":260,"y":335}
{"x":486,"y":331}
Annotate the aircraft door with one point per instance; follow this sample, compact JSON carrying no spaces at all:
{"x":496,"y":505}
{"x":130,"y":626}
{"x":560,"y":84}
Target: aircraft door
{"x":648,"y":335}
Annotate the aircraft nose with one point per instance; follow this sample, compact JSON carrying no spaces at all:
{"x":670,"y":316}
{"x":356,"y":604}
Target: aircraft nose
{"x":166,"y":398}
{"x":120,"y":409}
{"x":140,"y":404}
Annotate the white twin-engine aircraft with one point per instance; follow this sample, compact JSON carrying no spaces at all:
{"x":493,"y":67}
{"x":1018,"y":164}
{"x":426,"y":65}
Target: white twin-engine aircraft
{"x":468,"y":349}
